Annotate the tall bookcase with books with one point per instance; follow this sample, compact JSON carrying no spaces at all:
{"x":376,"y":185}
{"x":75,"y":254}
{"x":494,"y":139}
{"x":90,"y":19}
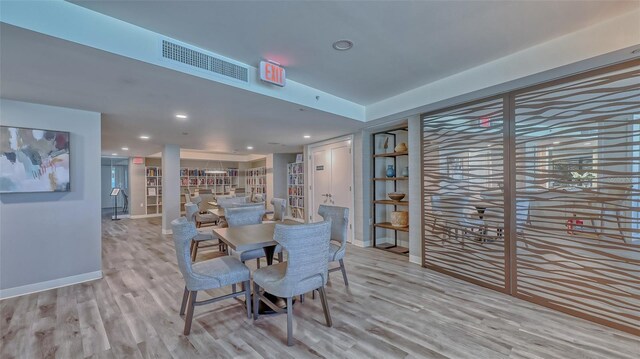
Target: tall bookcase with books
{"x":190,"y":179}
{"x":295,"y":187}
{"x":198,"y":178}
{"x":256,"y":180}
{"x":153,"y":179}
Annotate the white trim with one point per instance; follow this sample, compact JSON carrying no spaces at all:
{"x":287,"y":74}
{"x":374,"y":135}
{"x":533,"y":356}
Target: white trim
{"x":167,"y":231}
{"x":139,"y":216}
{"x":50,"y":284}
{"x":121,"y":216}
{"x":361,"y":244}
{"x":415,"y":259}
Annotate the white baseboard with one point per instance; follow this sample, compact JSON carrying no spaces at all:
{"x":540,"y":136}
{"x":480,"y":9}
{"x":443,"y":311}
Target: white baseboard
{"x":167,"y":231}
{"x":415,"y":259}
{"x":50,"y":284}
{"x":121,"y":216}
{"x":138,"y":216}
{"x":359,"y":243}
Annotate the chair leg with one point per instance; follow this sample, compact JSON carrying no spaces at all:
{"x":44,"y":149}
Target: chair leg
{"x":280,"y":257}
{"x":344,"y":272}
{"x":289,"y":321}
{"x":190,"y":308}
{"x":325,"y":306}
{"x":258,"y":262}
{"x":194,"y":253}
{"x":256,"y":298}
{"x":185,"y":297}
{"x":301,"y":298}
{"x":233,"y":287}
{"x":247,"y":297}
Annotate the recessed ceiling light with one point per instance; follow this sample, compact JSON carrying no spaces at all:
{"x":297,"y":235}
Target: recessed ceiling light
{"x":489,"y":145}
{"x":306,"y":136}
{"x":587,"y":143}
{"x":556,"y":142}
{"x":114,"y":154}
{"x":249,"y":147}
{"x":144,"y":137}
{"x":342,"y":45}
{"x":181,"y":116}
{"x":125,"y":148}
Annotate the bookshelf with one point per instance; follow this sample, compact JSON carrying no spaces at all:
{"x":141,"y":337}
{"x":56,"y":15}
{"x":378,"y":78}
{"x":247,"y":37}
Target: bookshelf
{"x":215,"y":183}
{"x":153,"y":190}
{"x":190,"y":180}
{"x":256,"y":180}
{"x":295,"y":188}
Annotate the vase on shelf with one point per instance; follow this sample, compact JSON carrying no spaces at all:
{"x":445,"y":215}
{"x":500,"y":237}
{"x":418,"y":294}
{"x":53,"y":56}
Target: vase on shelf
{"x":405,"y":172}
{"x":391,"y":172}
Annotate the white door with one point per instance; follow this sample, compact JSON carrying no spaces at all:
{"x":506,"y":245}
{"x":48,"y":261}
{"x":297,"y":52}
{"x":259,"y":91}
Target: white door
{"x":332,"y":167}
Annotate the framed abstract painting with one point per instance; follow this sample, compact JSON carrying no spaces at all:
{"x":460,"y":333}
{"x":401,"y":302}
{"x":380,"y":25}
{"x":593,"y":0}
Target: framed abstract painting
{"x":34,"y":160}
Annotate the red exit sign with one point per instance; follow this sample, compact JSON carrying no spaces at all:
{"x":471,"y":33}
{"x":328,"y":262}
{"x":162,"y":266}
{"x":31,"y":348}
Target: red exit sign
{"x":272,"y":73}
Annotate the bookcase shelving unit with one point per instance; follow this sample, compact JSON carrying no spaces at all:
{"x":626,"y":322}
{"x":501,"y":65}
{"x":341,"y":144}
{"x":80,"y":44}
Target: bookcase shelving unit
{"x":295,"y":191}
{"x":190,"y":180}
{"x":256,"y":180}
{"x":153,"y":190}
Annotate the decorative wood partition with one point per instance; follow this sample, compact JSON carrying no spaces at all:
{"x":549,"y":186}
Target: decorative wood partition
{"x":537,"y":193}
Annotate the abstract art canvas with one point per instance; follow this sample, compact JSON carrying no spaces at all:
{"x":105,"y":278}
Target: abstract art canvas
{"x":33,"y":160}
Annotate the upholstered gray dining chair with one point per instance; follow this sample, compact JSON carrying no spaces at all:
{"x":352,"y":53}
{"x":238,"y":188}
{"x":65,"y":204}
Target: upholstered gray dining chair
{"x":244,"y":216}
{"x":339,"y":226}
{"x":306,"y":269}
{"x":191,"y":211}
{"x":210,"y":274}
{"x":279,"y":209}
{"x":200,"y":218}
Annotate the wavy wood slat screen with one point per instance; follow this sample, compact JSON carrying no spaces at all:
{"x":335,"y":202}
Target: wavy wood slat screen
{"x":577,"y":164}
{"x":463,"y":193}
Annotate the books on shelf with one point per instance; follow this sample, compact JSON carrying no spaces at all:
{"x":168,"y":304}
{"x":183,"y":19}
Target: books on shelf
{"x":295,"y":190}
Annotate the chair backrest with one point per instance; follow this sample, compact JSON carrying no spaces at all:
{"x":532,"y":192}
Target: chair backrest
{"x":231,"y":201}
{"x":196,"y":200}
{"x":307,"y":247}
{"x":279,"y":208}
{"x":183,"y":233}
{"x":339,"y":217}
{"x":191,"y":210}
{"x":257,"y":198}
{"x":243,"y":216}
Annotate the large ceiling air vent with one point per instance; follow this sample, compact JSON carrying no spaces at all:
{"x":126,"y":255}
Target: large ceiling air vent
{"x":203,"y":61}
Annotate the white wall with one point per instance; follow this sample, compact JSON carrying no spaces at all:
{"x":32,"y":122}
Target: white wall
{"x":53,"y":239}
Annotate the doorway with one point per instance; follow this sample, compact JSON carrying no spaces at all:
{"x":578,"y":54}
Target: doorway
{"x":331,"y":175}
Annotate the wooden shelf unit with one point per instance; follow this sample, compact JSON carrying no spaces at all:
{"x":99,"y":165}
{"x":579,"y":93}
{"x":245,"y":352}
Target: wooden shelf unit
{"x":192,"y":179}
{"x":153,"y":189}
{"x":388,"y":184}
{"x":295,"y":191}
{"x":256,"y":180}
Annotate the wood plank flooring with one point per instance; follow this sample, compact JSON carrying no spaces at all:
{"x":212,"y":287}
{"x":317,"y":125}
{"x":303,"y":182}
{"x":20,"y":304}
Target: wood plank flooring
{"x":392,"y":309}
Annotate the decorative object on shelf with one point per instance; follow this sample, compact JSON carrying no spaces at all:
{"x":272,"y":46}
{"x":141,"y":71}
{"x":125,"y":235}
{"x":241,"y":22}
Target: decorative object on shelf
{"x":405,"y":172}
{"x":391,"y":172}
{"x":401,"y":147}
{"x":33,"y":160}
{"x":396,"y":196}
{"x":386,"y":144}
{"x":400,"y":219}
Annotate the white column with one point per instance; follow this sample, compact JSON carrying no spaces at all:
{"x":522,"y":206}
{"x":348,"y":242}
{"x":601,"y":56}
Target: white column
{"x":415,"y":205}
{"x":170,"y":186}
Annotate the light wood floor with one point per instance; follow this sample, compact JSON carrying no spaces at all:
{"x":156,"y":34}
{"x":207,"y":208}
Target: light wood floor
{"x":392,"y":309}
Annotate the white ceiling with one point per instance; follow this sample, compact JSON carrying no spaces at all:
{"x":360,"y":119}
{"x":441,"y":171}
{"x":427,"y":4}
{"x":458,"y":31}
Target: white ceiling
{"x":137,"y":98}
{"x":399,"y":45}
